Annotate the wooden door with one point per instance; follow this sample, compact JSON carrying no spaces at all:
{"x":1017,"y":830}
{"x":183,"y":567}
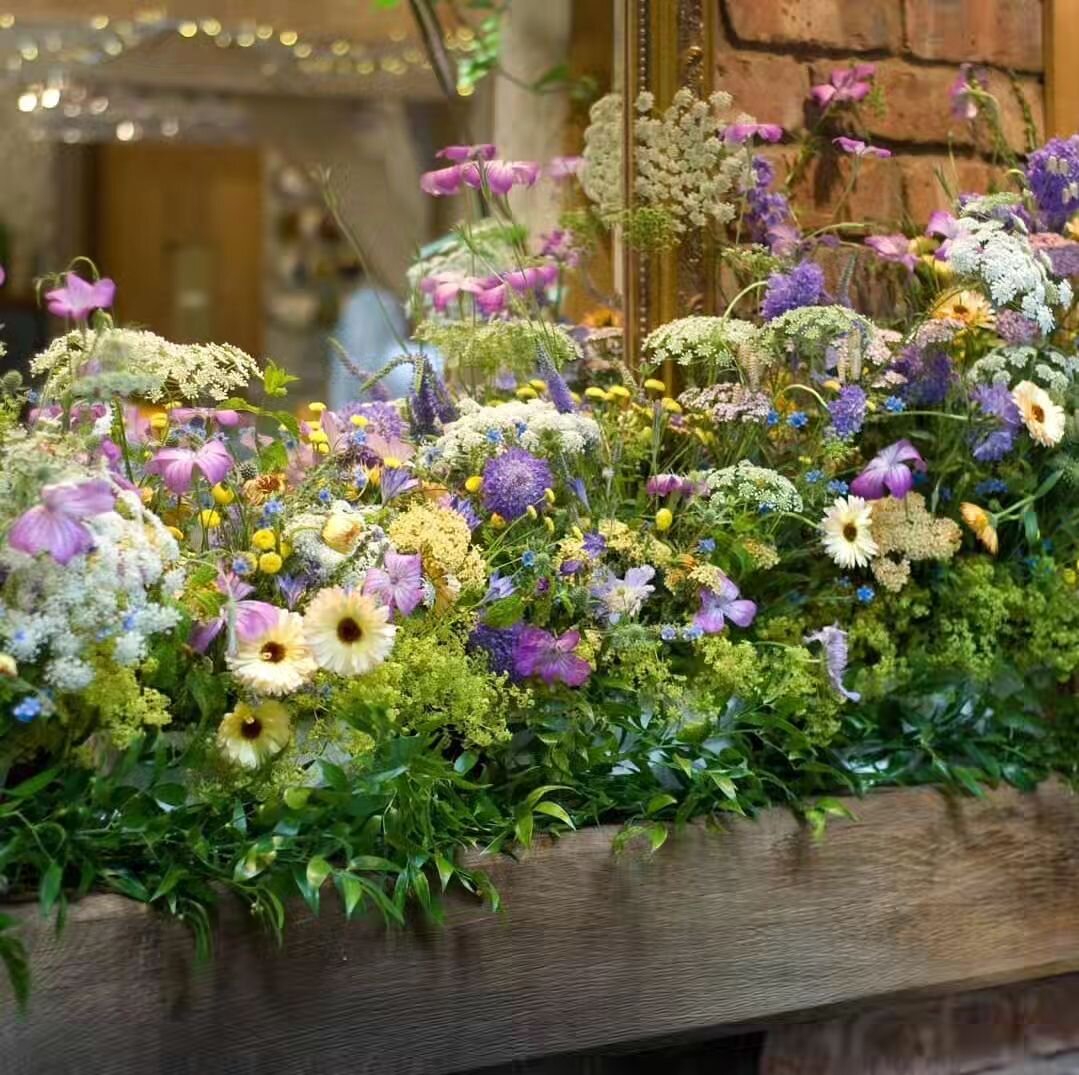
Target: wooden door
{"x":179,"y":228}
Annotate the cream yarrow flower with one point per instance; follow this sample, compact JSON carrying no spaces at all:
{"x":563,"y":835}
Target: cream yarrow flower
{"x":848,"y":538}
{"x":349,"y":632}
{"x":1043,"y":418}
{"x":250,"y":735}
{"x":277,"y":661}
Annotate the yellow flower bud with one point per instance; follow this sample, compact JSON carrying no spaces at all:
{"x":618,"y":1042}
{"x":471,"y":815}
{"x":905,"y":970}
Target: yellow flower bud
{"x":8,"y":666}
{"x":664,"y":519}
{"x":538,"y":385}
{"x":269,"y":563}
{"x":263,"y":540}
{"x":671,"y":405}
{"x":316,"y":407}
{"x":322,"y":448}
{"x":832,"y":385}
{"x":497,"y":521}
{"x":549,"y":523}
{"x":159,"y":421}
{"x":374,"y":476}
{"x":392,"y":462}
{"x":532,"y":513}
{"x":176,"y":532}
{"x":575,"y":396}
{"x":1069,"y":576}
{"x":526,"y":392}
{"x":618,"y":391}
{"x":316,"y":436}
{"x":209,"y":518}
{"x":654,"y":384}
{"x":222,"y":495}
{"x":548,"y":495}
{"x":578,"y":533}
{"x":474,"y":483}
{"x":285,"y":549}
{"x":146,"y":494}
{"x":342,"y":532}
{"x":592,"y":392}
{"x":359,"y":421}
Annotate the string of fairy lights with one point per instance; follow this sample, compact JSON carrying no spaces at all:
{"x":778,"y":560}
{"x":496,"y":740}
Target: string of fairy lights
{"x":59,"y":71}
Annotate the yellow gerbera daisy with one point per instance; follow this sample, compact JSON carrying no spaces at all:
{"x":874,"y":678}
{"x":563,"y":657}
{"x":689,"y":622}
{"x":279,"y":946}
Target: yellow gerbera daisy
{"x":276,"y":662}
{"x":970,"y":308}
{"x":349,"y":633}
{"x":981,"y":522}
{"x":249,"y":736}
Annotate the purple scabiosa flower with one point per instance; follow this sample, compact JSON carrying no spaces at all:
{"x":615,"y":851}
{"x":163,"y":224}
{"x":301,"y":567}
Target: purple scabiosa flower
{"x":1053,"y":177}
{"x":250,"y":618}
{"x":833,"y":640}
{"x":552,"y":658}
{"x":55,"y":525}
{"x":498,"y":645}
{"x":1063,"y":254}
{"x":737,"y":133}
{"x":995,"y":402}
{"x":718,"y":606}
{"x":888,"y":472}
{"x":964,"y":103}
{"x":594,"y":544}
{"x":557,"y":389}
{"x":857,"y":148}
{"x":848,"y":411}
{"x":398,"y":583}
{"x":802,"y":286}
{"x":624,"y":597}
{"x":846,"y":86}
{"x":1015,"y":329}
{"x":78,"y":298}
{"x":569,"y":568}
{"x":515,"y":481}
{"x":893,"y":248}
{"x":176,"y":466}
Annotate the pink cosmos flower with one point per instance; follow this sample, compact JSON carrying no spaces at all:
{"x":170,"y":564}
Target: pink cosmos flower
{"x":77,"y":299}
{"x":176,"y":466}
{"x":251,"y":618}
{"x":737,"y":133}
{"x":55,"y":525}
{"x":551,"y":657}
{"x":564,"y":167}
{"x":894,"y":248}
{"x":888,"y":472}
{"x":857,"y":148}
{"x":852,"y":84}
{"x":500,"y":176}
{"x":482,"y":151}
{"x":398,"y":584}
{"x":445,"y":287}
{"x":442,"y":181}
{"x":725,"y":604}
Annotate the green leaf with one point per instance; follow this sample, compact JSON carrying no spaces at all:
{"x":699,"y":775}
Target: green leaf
{"x":464,"y":762}
{"x":373,"y":864}
{"x":275,"y":380}
{"x":49,"y":889}
{"x":1030,"y":526}
{"x":273,"y":457}
{"x":725,"y":784}
{"x":446,"y":870}
{"x":658,"y":802}
{"x":334,"y":776}
{"x":168,"y":882}
{"x":318,"y":869}
{"x":351,"y":891}
{"x":555,"y":811}
{"x":296,"y":798}
{"x":13,"y":955}
{"x":523,"y":829}
{"x":505,"y":613}
{"x":34,"y":784}
{"x":169,"y":796}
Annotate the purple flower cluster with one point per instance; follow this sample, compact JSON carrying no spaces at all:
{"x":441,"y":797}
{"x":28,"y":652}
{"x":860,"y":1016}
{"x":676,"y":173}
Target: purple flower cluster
{"x":929,"y":373}
{"x":498,"y":644}
{"x":1053,"y":177}
{"x":552,"y":658}
{"x":848,"y":411}
{"x":1015,"y":329}
{"x":768,"y":215}
{"x":1063,"y":254}
{"x":727,"y":403}
{"x":515,"y":481}
{"x":802,"y":286}
{"x":557,"y":389}
{"x":430,"y":404}
{"x":996,"y":403}
{"x":383,"y":419}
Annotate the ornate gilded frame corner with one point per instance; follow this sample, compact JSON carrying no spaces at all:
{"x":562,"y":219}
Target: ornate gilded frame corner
{"x":667,"y":44}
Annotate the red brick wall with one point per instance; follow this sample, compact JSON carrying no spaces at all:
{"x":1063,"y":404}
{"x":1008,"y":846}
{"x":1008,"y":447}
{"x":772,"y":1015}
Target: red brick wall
{"x":772,"y":51}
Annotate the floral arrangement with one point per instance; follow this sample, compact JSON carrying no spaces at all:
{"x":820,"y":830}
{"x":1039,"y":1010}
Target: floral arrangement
{"x":786,"y":552}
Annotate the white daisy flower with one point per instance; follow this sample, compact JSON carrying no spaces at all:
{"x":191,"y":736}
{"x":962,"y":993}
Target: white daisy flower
{"x":847,"y":536}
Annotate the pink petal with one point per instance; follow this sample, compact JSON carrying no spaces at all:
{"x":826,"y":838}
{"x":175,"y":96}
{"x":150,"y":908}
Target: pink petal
{"x":254,"y":618}
{"x":79,"y":499}
{"x":41,"y":530}
{"x":214,"y":461}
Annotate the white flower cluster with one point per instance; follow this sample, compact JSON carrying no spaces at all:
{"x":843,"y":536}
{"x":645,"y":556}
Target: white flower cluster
{"x":1011,"y":269}
{"x":812,"y":333}
{"x":338,"y":544}
{"x":746,"y":485}
{"x":535,"y":425}
{"x":711,"y":343}
{"x":128,"y":360}
{"x":110,"y":597}
{"x":1052,"y":370}
{"x":601,"y":175}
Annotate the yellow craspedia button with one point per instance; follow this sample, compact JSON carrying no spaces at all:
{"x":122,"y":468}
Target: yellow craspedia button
{"x":664,"y":519}
{"x":209,"y":518}
{"x":474,"y":483}
{"x":264,"y":539}
{"x":222,"y":495}
{"x":269,"y":563}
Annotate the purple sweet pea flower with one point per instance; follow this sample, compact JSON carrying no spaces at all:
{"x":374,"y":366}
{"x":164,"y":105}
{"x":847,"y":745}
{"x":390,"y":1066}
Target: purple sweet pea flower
{"x":894,"y":248}
{"x":78,"y":298}
{"x":624,"y":597}
{"x":398,"y":583}
{"x":55,"y":525}
{"x":737,"y":133}
{"x":483,"y":151}
{"x":500,"y":176}
{"x":251,"y":618}
{"x":564,"y":167}
{"x":176,"y":466}
{"x":888,"y":473}
{"x":852,"y":84}
{"x":857,"y":148}
{"x":833,"y":639}
{"x":445,"y":287}
{"x":551,"y":657}
{"x":665,"y":484}
{"x":970,"y":77}
{"x":944,"y":226}
{"x":725,"y":604}
{"x":442,"y":182}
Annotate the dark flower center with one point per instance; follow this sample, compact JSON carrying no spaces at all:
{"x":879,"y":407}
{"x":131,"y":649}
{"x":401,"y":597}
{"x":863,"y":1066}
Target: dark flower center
{"x":349,"y":631}
{"x":850,"y":531}
{"x":251,"y":728}
{"x":1039,"y":414}
{"x":273,"y":652}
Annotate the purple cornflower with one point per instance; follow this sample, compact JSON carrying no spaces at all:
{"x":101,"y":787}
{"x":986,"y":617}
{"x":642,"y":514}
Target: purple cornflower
{"x":498,"y":587}
{"x":802,"y":286}
{"x":893,"y":248}
{"x":499,"y":645}
{"x":1015,"y":329}
{"x":624,"y":597}
{"x":718,"y":606}
{"x":176,"y":466}
{"x":995,"y":401}
{"x":888,"y":472}
{"x":768,"y":214}
{"x":383,"y":419}
{"x":833,"y":640}
{"x":1053,"y":177}
{"x":398,"y":584}
{"x":396,"y":481}
{"x":964,"y":102}
{"x":850,"y":85}
{"x":557,"y":388}
{"x":78,"y":298}
{"x":515,"y":481}
{"x":552,"y":658}
{"x":857,"y":148}
{"x":55,"y":525}
{"x":848,"y":411}
{"x":291,"y":589}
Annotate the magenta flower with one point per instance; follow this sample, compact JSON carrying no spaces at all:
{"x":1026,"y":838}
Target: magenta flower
{"x":857,"y":148}
{"x":398,"y":584}
{"x":482,"y":151}
{"x":533,"y":277}
{"x":559,"y":245}
{"x":77,"y":299}
{"x":851,"y":85}
{"x":551,"y":657}
{"x":442,"y":181}
{"x":227,"y":418}
{"x":964,"y":102}
{"x":500,"y":176}
{"x":493,"y":298}
{"x":666,"y":484}
{"x":888,"y":470}
{"x":725,"y":604}
{"x":894,"y":248}
{"x":564,"y":167}
{"x":176,"y":466}
{"x":944,"y":226}
{"x":737,"y":133}
{"x":445,"y":287}
{"x":55,"y":525}
{"x":250,"y":618}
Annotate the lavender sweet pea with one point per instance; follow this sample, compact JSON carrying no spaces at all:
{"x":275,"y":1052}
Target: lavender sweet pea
{"x":847,"y":86}
{"x":894,"y":248}
{"x":857,"y":148}
{"x":719,"y":606}
{"x":888,"y":472}
{"x":737,"y":133}
{"x":550,"y":657}
{"x":55,"y":525}
{"x":176,"y":466}
{"x":78,"y":298}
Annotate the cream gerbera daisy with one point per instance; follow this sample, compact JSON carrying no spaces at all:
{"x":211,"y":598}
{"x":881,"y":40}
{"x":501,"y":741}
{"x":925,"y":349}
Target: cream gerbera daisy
{"x":348,"y":631}
{"x":277,"y":661}
{"x":249,"y":736}
{"x":847,"y":535}
{"x":1043,"y":418}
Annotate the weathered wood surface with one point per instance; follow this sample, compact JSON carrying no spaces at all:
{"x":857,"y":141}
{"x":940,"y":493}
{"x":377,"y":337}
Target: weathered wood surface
{"x":922,"y":895}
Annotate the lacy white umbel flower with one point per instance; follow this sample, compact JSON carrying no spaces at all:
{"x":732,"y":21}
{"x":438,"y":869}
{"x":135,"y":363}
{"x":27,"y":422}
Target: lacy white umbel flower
{"x":1043,"y":418}
{"x":349,"y":632}
{"x":708,"y":343}
{"x":746,"y":485}
{"x":248,"y":735}
{"x":276,"y":661}
{"x":848,"y":538}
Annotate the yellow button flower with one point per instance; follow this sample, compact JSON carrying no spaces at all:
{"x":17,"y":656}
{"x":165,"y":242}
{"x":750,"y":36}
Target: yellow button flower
{"x":316,"y":407}
{"x":392,"y":462}
{"x":316,"y":436}
{"x":593,"y":392}
{"x":358,"y":421}
{"x":322,"y":448}
{"x":671,"y":405}
{"x":474,"y":483}
{"x":664,"y":519}
{"x":526,"y":392}
{"x":548,"y":495}
{"x":549,"y":523}
{"x":497,"y":521}
{"x":264,"y":540}
{"x":618,"y":391}
{"x":538,"y":385}
{"x":209,"y":518}
{"x":222,"y":495}
{"x":270,"y":563}
{"x":159,"y":422}
{"x":176,"y":532}
{"x":654,"y":384}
